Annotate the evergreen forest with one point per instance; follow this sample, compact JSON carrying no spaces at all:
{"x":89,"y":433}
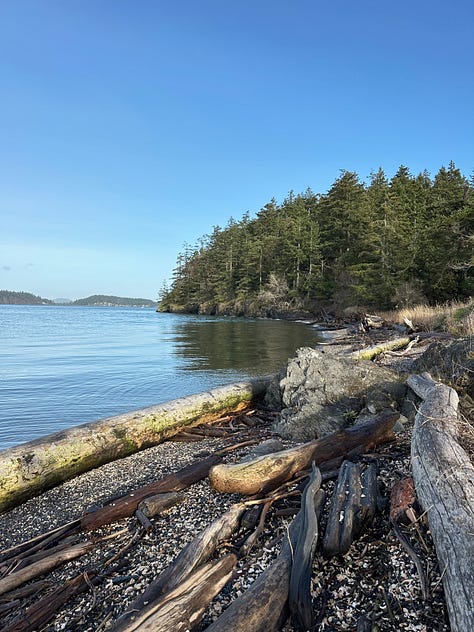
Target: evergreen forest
{"x":383,"y":244}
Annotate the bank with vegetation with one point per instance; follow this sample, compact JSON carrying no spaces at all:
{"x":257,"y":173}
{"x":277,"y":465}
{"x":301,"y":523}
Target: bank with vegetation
{"x":383,"y":244}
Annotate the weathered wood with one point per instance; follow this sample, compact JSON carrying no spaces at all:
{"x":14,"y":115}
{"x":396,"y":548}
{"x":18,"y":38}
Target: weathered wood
{"x":352,"y":508}
{"x":40,"y":541}
{"x":402,"y":499}
{"x":299,"y":598}
{"x":182,"y":608}
{"x":127,"y":505}
{"x":189,"y":559}
{"x":269,"y":471}
{"x":154,"y":505}
{"x":369,"y":353}
{"x":262,"y":607}
{"x":56,"y":557}
{"x":444,"y":482}
{"x":33,"y":467}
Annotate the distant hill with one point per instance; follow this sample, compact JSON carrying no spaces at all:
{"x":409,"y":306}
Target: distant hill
{"x":22,"y":298}
{"x":100,"y":300}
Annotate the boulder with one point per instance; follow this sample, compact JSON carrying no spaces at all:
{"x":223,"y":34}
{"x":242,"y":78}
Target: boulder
{"x":451,"y":362}
{"x":322,"y":393}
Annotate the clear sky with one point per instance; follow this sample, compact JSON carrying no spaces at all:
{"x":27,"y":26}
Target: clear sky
{"x":128,"y":127}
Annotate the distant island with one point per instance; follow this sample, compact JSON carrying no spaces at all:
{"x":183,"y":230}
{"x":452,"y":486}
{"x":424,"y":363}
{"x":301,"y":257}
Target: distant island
{"x":22,"y":298}
{"x":101,"y":300}
{"x":8,"y":297}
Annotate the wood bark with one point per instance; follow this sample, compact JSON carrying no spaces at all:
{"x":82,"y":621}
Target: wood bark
{"x":33,"y":467}
{"x":189,"y":559}
{"x":262,"y":607}
{"x":402,"y":500}
{"x":352,"y":508}
{"x":267,"y":472}
{"x":182,"y":608}
{"x":127,"y":505}
{"x":444,"y":482}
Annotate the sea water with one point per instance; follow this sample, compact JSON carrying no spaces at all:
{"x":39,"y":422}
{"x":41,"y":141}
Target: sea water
{"x":65,"y":365}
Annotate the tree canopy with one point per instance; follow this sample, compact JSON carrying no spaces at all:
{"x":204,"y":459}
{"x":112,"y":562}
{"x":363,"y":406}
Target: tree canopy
{"x":384,"y":243}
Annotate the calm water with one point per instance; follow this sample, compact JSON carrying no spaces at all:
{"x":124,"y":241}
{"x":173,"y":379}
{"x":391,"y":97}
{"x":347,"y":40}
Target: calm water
{"x":61,"y":366}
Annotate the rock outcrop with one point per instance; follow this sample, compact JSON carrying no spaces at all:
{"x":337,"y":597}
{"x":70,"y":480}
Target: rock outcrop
{"x":320,"y":393}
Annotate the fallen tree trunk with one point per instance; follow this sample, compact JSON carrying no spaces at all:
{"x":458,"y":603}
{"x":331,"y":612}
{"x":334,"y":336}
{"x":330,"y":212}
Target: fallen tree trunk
{"x":127,"y":505}
{"x":267,"y":472}
{"x":189,"y":559}
{"x":33,"y":467}
{"x":369,"y":353}
{"x":182,"y":608}
{"x":444,"y":481}
{"x":262,"y":607}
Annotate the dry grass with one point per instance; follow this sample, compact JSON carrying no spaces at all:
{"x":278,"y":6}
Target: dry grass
{"x":455,"y":318}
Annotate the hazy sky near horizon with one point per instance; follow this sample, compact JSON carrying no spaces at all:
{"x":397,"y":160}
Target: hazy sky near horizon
{"x":131,"y":127}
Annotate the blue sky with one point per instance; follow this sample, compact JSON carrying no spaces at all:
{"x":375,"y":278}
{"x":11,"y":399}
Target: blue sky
{"x":129,"y":127}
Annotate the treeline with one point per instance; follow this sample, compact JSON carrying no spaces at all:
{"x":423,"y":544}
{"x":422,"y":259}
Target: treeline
{"x":8,"y":297}
{"x":389,"y":242}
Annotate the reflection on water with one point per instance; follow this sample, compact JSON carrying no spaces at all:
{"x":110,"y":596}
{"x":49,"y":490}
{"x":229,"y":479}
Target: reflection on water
{"x":62,"y":366}
{"x":252,"y":346}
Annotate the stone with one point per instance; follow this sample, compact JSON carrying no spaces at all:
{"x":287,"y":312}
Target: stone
{"x":322,"y":393}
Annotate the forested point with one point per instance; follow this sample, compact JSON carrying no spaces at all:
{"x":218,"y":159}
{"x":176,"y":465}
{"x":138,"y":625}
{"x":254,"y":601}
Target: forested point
{"x":383,"y":244}
{"x":8,"y":297}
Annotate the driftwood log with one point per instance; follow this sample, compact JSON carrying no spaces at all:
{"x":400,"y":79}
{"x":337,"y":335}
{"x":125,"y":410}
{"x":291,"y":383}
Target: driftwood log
{"x":196,"y":553}
{"x":369,"y":353}
{"x":444,"y":481}
{"x":299,"y":597}
{"x":352,"y":508}
{"x":263,"y":606}
{"x":267,"y":472}
{"x":33,"y":467}
{"x":56,"y":556}
{"x":182,"y":608}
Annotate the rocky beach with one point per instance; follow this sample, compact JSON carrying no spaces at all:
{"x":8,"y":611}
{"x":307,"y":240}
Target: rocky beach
{"x":389,"y":579}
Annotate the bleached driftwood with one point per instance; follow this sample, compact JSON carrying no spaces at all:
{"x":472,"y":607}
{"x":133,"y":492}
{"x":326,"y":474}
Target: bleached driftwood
{"x":33,"y":467}
{"x":444,"y":481}
{"x":262,"y":607}
{"x":267,"y":472}
{"x":196,"y":553}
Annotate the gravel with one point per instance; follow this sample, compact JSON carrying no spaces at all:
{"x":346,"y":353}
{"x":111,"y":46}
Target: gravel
{"x":376,"y":579}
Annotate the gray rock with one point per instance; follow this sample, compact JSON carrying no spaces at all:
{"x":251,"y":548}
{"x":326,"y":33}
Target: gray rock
{"x":450,"y":362}
{"x":321,"y":393}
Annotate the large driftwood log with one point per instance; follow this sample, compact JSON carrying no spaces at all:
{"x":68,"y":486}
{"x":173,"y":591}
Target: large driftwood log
{"x":33,"y":467}
{"x":191,"y":557}
{"x":444,"y":481}
{"x":262,"y":607}
{"x":269,"y":471}
{"x":352,"y":509}
{"x":127,"y":505}
{"x":369,"y":353}
{"x":182,"y":608}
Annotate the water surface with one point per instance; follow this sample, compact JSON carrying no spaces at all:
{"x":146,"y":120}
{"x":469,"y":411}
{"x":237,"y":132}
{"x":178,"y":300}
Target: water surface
{"x":62,"y":366}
